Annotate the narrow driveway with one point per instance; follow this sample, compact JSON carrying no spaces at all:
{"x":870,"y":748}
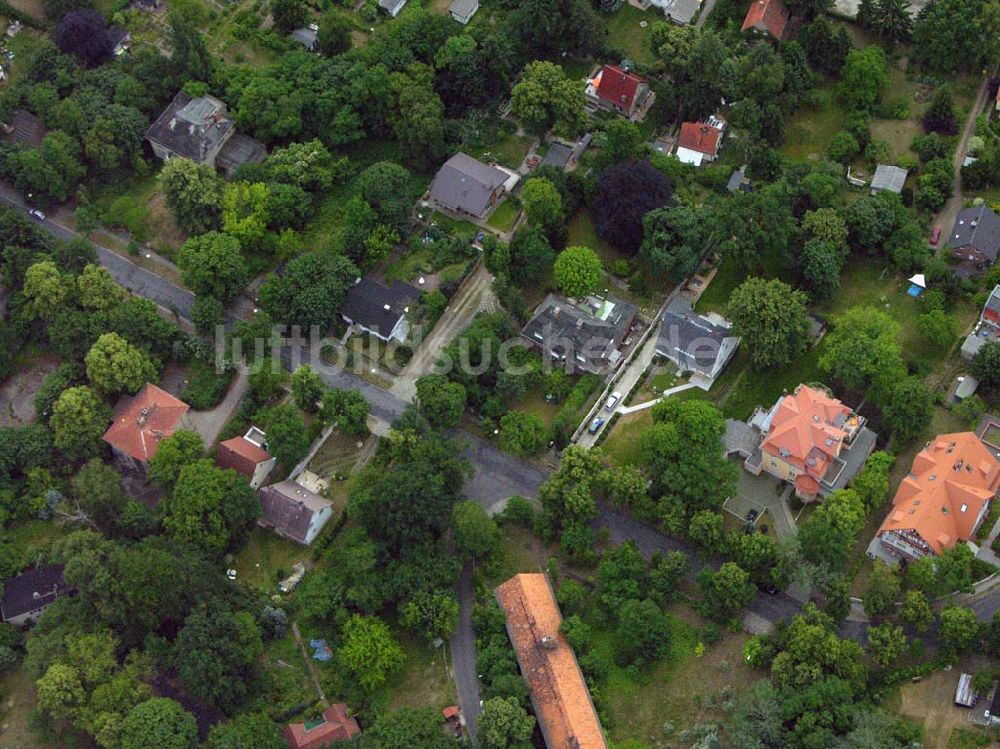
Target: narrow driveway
{"x":463,"y":654}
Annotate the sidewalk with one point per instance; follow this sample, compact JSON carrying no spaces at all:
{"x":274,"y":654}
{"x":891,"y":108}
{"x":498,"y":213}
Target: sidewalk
{"x":649,"y":404}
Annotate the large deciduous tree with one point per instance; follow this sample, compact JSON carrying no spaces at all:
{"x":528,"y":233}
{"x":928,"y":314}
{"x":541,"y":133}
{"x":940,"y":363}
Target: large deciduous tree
{"x":193,"y":193}
{"x":546,"y":99}
{"x":440,"y":401}
{"x":310,"y":290}
{"x":114,"y":365}
{"x":180,"y":449}
{"x":673,"y":238}
{"x":863,"y":352}
{"x":159,"y":722}
{"x":577,"y":271}
{"x":79,"y":419}
{"x":369,"y":651}
{"x":625,"y":193}
{"x":771,"y":318}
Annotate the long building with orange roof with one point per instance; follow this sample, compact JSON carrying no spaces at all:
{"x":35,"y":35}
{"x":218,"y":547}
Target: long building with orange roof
{"x":813,"y":441}
{"x":559,"y":695}
{"x":941,"y":501}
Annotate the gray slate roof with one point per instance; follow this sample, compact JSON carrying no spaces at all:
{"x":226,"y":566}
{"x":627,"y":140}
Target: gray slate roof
{"x":465,"y":184}
{"x":391,"y":6}
{"x":376,"y":307}
{"x":191,"y":128}
{"x":463,"y":7}
{"x":587,"y":333}
{"x":289,"y":507}
{"x":736,"y":179}
{"x":31,"y":590}
{"x":681,"y":11}
{"x":977,"y":227}
{"x":693,"y":342}
{"x":889,"y":178}
{"x":306,"y":37}
{"x":239,"y":149}
{"x":558,"y":156}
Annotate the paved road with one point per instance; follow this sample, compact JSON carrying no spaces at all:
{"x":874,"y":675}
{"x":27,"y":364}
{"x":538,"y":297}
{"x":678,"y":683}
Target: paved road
{"x":463,"y":654}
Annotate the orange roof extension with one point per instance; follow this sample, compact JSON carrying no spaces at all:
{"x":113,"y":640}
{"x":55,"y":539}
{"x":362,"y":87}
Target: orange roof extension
{"x":140,"y":422}
{"x":807,"y":430}
{"x":942,"y":496}
{"x":335,"y":725}
{"x":559,"y":694}
{"x":770,"y":16}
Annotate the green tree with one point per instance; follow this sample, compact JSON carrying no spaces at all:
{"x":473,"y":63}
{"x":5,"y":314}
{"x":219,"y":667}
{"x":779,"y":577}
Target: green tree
{"x":986,"y":364}
{"x":334,"y":36}
{"x":159,"y":722}
{"x":771,"y":318}
{"x":45,"y":290}
{"x":623,"y":141}
{"x":863,"y":78}
{"x":78,"y":421}
{"x":862,"y":352}
{"x":706,"y":529}
{"x":916,"y":611}
{"x":909,"y":409}
{"x":310,"y":291}
{"x":530,"y":256}
{"x":408,"y":727}
{"x":522,"y":433}
{"x":947,"y":32}
{"x":210,"y":508}
{"x":545,"y":98}
{"x":821,"y":265}
{"x":245,"y":214}
{"x":543,"y":205}
{"x":289,"y":15}
{"x":577,"y":271}
{"x":287,"y":437}
{"x":726,"y":591}
{"x":247,"y":731}
{"x":114,"y":365}
{"x":348,"y":409}
{"x":643,"y":632}
{"x":434,"y":614}
{"x":826,"y":536}
{"x":207,"y":314}
{"x":673,"y":238}
{"x":96,"y":289}
{"x":193,"y":193}
{"x":180,"y":449}
{"x":476,"y":533}
{"x":307,"y":388}
{"x":504,"y":724}
{"x":440,"y":401}
{"x":886,"y":643}
{"x":212,"y":265}
{"x":937,"y":327}
{"x":386,"y":187}
{"x":98,"y":493}
{"x":52,"y":171}
{"x":369,"y":651}
{"x":883,"y":590}
{"x":419,"y":115}
{"x":872,"y":482}
{"x":959,"y":630}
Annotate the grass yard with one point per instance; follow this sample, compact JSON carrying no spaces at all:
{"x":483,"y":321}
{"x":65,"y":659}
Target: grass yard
{"x":534,"y":402}
{"x":576,"y":70}
{"x":509,"y":151}
{"x":626,"y":32}
{"x":426,"y":679}
{"x":811,"y":130}
{"x":581,"y":233}
{"x":681,"y":688}
{"x":266,"y":558}
{"x":715,"y":298}
{"x":505,"y":215}
{"x":622,"y":443}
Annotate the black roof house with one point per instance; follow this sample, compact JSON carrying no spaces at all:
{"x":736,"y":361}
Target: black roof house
{"x":695,"y":343}
{"x":379,"y":309}
{"x":977,"y":228}
{"x":31,"y":591}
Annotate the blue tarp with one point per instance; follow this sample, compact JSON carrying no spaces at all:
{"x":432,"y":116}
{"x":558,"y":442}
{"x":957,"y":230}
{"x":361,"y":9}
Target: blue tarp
{"x":321,"y":651}
{"x":915,"y":290}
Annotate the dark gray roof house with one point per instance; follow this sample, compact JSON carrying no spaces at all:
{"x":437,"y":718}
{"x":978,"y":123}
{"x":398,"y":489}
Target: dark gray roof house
{"x":585,"y":334}
{"x":380,"y":310}
{"x":239,"y":149}
{"x":696,"y":343}
{"x":25,"y":596}
{"x":890,"y":178}
{"x":465,"y":185}
{"x":294,"y":511}
{"x":975,"y":239}
{"x":195,"y":129}
{"x":558,"y":156}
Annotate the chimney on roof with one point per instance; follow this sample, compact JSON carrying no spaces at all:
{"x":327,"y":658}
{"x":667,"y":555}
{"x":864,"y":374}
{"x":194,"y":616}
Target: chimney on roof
{"x":143,"y":417}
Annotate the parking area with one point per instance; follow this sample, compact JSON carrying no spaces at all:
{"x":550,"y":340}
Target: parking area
{"x":761,"y":499}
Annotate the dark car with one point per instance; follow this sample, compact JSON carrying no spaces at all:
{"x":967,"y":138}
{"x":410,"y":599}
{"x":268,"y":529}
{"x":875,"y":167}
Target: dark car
{"x":752,"y":516}
{"x":596,"y":424}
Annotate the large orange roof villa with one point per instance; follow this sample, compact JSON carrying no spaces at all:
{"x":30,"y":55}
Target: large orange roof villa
{"x":559,"y":695}
{"x":942,"y":500}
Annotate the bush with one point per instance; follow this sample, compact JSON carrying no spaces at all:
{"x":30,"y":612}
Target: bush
{"x":206,"y":388}
{"x":519,"y":511}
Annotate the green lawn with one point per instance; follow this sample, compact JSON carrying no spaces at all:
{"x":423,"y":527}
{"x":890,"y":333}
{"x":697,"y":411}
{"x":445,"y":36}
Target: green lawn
{"x":425,"y":680}
{"x":266,"y":558}
{"x":811,"y":130}
{"x":626,"y":33}
{"x":576,"y":70}
{"x":505,"y":215}
{"x":716,"y":297}
{"x":509,"y":151}
{"x":581,"y":233}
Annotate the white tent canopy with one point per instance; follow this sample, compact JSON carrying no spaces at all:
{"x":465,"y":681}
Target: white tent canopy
{"x":919,"y":280}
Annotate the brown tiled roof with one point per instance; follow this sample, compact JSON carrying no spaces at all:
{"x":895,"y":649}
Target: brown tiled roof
{"x":942,"y":497}
{"x":140,"y":422}
{"x":768,"y":15}
{"x":289,"y":507}
{"x":336,"y":725}
{"x":559,"y":694}
{"x":240,"y":454}
{"x":700,"y":137}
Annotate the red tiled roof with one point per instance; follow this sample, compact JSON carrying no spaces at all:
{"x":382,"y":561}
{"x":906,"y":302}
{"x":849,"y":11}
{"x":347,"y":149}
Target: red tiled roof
{"x":700,"y":137}
{"x":336,"y":725}
{"x":140,"y":422}
{"x":240,"y":454}
{"x":559,"y":694}
{"x":768,"y":15}
{"x":942,"y":496}
{"x":618,"y":86}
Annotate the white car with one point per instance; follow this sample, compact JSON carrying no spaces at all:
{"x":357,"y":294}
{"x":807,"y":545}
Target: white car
{"x":36,"y":214}
{"x":612,"y":401}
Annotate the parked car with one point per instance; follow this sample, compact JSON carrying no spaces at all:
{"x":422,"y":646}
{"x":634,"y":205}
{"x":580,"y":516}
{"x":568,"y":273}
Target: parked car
{"x":613,"y":401}
{"x":36,"y":214}
{"x":596,"y":424}
{"x":935,"y":235}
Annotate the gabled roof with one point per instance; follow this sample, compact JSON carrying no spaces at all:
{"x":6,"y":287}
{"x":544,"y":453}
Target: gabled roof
{"x":700,"y":137}
{"x":191,"y":128}
{"x":617,"y":86}
{"x":807,"y":429}
{"x":770,"y":16}
{"x":242,"y":455}
{"x":377,"y":307}
{"x":463,"y":7}
{"x":565,"y":712}
{"x":977,"y":227}
{"x":465,"y":184}
{"x":31,"y":590}
{"x":239,"y":149}
{"x":942,"y":496}
{"x":289,"y":508}
{"x":692,"y":341}
{"x":891,"y":178}
{"x":558,"y":155}
{"x":140,"y":422}
{"x":335,"y":725}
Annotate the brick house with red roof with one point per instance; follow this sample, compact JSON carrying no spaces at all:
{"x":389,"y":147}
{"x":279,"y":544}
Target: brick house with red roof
{"x":769,"y":17}
{"x":699,"y":142}
{"x":334,"y":725}
{"x":247,"y":455}
{"x":942,"y":500}
{"x":140,"y":422}
{"x":812,"y":441}
{"x":618,"y":90}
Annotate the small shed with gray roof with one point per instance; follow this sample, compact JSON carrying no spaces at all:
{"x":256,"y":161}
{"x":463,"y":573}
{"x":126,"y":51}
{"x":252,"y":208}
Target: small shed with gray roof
{"x":465,"y":185}
{"x":392,"y":7}
{"x":888,"y":178}
{"x":463,"y":10}
{"x":558,"y":156}
{"x":680,"y":12}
